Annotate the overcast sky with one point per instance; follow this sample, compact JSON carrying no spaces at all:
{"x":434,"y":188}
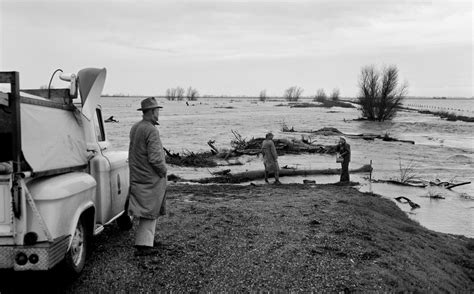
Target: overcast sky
{"x":241,"y":47}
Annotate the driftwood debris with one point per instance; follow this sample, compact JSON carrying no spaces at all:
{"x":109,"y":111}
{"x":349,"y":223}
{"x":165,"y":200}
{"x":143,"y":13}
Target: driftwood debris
{"x":371,"y":137}
{"x":435,"y":196}
{"x":241,"y":146}
{"x":283,"y":146}
{"x":190,"y":159}
{"x":409,"y":184}
{"x":412,"y":204}
{"x":328,"y":131}
{"x":220,"y":172}
{"x":213,"y":148}
{"x":260,"y":174}
{"x":448,"y":185}
{"x":423,"y":183}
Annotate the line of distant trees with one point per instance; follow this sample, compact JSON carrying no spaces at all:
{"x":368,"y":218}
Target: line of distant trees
{"x":179,"y":94}
{"x":294,"y":93}
{"x":322,"y":97}
{"x":380,"y":93}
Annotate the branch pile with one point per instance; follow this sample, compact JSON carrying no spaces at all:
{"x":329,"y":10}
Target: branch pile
{"x":204,"y":159}
{"x":283,"y":146}
{"x":241,"y":146}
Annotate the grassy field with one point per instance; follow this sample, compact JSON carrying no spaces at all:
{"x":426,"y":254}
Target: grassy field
{"x":323,"y":238}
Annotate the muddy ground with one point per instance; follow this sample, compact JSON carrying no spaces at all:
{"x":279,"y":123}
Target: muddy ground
{"x":323,"y":238}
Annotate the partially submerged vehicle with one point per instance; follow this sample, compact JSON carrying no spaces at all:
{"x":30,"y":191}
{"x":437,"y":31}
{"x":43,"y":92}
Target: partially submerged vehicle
{"x":59,"y":182}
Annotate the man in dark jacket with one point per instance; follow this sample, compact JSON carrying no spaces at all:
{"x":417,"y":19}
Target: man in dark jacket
{"x":344,"y":150}
{"x":147,"y":176}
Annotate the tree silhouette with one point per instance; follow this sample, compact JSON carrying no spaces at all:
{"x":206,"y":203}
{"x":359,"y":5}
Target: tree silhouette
{"x":380,"y":93}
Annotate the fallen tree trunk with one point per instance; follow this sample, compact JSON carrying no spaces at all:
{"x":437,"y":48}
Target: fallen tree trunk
{"x":456,"y":185}
{"x":328,"y":131}
{"x":371,"y":137}
{"x":408,"y":184}
{"x":448,"y":185}
{"x":260,"y":174}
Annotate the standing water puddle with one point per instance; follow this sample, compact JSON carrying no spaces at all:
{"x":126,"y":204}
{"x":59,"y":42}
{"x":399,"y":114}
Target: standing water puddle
{"x":453,"y":215}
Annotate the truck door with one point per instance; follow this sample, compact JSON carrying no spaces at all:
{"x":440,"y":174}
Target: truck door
{"x":119,"y":179}
{"x":118,"y":173}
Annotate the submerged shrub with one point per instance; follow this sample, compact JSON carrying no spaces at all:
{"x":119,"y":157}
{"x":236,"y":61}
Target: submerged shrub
{"x":407,"y":172}
{"x":293,"y":93}
{"x":320,"y":96}
{"x":263,"y":95}
{"x":380,"y":93}
{"x":335,"y":95}
{"x":192,"y":94}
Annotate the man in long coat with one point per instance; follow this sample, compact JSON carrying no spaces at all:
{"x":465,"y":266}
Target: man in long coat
{"x":147,"y":176}
{"x":270,"y":158}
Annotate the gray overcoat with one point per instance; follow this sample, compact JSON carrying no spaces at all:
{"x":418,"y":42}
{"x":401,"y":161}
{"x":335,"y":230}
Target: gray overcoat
{"x":270,"y":156}
{"x":146,"y":160}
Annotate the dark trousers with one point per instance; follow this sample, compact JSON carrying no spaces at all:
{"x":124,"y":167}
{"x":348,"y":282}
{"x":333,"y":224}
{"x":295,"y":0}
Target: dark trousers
{"x":345,"y":171}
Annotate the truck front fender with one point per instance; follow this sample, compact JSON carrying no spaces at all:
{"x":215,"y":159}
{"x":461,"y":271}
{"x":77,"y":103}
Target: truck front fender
{"x":61,"y":200}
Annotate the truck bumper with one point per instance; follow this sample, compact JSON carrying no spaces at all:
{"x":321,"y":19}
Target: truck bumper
{"x":38,"y":257}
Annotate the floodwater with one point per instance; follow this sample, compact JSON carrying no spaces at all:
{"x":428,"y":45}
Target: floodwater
{"x":443,"y":150}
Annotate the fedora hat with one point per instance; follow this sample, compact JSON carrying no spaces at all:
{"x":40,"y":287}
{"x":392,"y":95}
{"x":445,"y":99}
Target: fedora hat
{"x":149,"y":103}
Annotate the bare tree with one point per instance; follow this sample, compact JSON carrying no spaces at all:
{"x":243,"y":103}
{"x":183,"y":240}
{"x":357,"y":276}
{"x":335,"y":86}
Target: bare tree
{"x":179,"y":93}
{"x":320,"y":96}
{"x":368,"y":84}
{"x":263,"y":95}
{"x":407,"y":172}
{"x":170,"y":94}
{"x":335,"y":94}
{"x":293,"y":93}
{"x":380,"y":93}
{"x":192,"y":94}
{"x":175,"y":93}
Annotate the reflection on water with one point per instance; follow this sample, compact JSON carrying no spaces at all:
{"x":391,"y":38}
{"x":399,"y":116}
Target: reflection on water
{"x":442,"y":150}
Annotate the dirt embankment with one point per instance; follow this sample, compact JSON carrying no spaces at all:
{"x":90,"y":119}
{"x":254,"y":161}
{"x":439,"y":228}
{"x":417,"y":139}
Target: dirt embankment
{"x":275,"y":238}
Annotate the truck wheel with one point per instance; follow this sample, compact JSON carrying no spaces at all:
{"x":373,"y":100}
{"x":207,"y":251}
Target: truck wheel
{"x":76,"y":256}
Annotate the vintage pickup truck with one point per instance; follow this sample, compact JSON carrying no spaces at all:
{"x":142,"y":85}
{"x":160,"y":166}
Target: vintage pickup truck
{"x":59,"y":182}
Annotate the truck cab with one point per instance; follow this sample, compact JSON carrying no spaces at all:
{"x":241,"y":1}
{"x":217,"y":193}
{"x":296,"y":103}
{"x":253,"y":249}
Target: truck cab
{"x":60,"y":182}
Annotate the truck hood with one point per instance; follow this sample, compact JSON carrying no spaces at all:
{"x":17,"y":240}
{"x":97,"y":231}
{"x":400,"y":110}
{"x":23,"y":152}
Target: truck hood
{"x":91,"y":83}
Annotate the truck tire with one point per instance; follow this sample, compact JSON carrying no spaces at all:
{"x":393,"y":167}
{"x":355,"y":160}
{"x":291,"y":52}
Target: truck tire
{"x":76,"y":256}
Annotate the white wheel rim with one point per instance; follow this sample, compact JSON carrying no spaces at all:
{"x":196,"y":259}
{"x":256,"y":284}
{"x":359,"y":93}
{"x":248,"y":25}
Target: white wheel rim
{"x":77,"y":245}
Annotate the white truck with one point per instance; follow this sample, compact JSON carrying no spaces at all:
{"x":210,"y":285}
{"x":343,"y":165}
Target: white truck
{"x":59,"y":182}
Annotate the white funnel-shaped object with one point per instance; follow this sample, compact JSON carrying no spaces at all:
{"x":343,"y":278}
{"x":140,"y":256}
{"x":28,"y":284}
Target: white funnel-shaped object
{"x":91,"y":83}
